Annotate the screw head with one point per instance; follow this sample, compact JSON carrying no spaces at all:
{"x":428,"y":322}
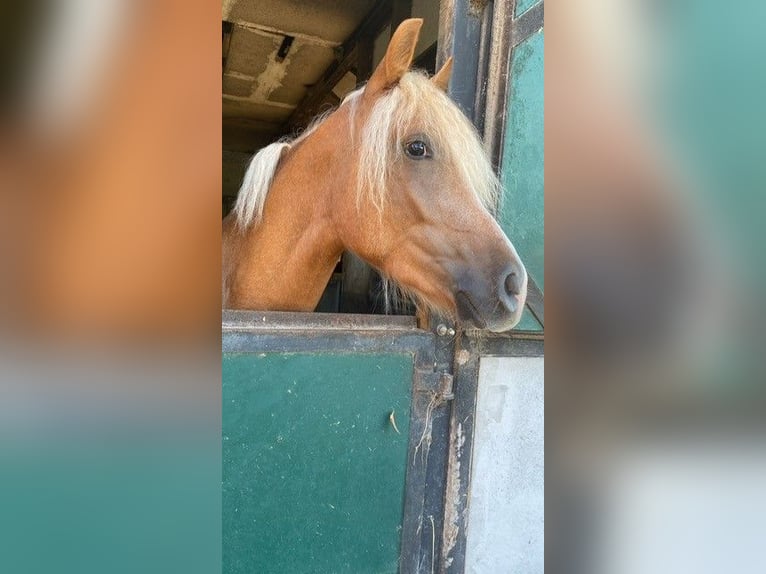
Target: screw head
{"x":441,"y":330}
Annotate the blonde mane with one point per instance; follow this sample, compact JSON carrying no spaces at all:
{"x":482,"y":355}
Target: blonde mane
{"x":255,"y":185}
{"x":414,"y":101}
{"x":260,"y":173}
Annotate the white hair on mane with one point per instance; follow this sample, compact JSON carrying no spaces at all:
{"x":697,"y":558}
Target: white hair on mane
{"x":256,"y":183}
{"x":260,"y":173}
{"x":415,"y":105}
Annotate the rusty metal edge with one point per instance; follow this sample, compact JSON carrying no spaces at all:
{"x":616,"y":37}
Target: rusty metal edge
{"x":233,"y":320}
{"x":497,"y":81}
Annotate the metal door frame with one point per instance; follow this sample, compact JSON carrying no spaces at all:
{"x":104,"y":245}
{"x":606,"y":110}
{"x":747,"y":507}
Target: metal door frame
{"x":481,"y":37}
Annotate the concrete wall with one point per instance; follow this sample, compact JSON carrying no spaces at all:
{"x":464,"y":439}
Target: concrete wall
{"x":506,"y":508}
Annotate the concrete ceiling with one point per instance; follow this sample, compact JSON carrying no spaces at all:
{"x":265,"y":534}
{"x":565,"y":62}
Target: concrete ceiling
{"x":274,"y":51}
{"x":265,"y":81}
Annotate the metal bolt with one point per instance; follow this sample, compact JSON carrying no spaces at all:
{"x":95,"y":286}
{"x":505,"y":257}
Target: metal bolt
{"x":441,"y":330}
{"x":451,"y":332}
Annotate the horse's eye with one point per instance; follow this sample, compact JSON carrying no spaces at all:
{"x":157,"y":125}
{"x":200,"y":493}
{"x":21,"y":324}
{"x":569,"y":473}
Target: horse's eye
{"x":417,"y":149}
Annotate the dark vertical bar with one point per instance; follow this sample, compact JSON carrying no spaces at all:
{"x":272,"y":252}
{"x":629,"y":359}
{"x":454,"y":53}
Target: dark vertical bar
{"x":466,"y":382}
{"x":401,"y":10}
{"x":424,"y":515}
{"x":357,"y":275}
{"x":482,"y":68}
{"x":433,"y":524}
{"x":227,"y":28}
{"x":415,"y":511}
{"x":364,"y":55}
{"x":460,"y":35}
{"x":355,"y":285}
{"x":498,"y":80}
{"x":465,"y":33}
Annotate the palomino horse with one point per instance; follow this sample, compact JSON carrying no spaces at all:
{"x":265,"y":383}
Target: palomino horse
{"x":397,"y":175}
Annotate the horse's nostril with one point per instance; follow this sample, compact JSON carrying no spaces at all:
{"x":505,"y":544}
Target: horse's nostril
{"x":512,"y":284}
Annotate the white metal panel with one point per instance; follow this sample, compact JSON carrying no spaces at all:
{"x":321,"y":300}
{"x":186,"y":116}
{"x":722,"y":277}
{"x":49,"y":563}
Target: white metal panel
{"x":505,"y":531}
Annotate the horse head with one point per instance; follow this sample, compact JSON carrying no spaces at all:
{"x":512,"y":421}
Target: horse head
{"x":398,"y":175}
{"x":424,"y":187}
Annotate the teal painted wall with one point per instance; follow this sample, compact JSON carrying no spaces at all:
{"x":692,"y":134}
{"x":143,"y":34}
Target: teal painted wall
{"x":523,"y":168}
{"x":313,"y":470}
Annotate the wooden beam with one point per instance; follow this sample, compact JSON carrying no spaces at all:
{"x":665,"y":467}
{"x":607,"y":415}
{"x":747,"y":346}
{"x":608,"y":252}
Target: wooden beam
{"x":345,"y":62}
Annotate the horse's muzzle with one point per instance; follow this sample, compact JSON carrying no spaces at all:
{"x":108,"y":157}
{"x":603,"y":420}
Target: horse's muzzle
{"x":494,"y":304}
{"x":512,"y":288}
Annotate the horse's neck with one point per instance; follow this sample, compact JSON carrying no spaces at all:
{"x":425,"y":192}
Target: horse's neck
{"x":285,"y":261}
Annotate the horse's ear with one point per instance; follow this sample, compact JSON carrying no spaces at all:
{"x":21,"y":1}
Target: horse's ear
{"x":398,"y":56}
{"x":441,"y":78}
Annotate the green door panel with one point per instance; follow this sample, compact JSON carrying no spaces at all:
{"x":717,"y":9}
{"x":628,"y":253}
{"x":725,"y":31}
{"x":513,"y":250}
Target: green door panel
{"x":528,"y":322}
{"x":313,"y":469}
{"x":523,"y":168}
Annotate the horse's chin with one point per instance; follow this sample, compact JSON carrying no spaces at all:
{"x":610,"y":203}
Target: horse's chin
{"x":472,"y":317}
{"x":468,"y":313}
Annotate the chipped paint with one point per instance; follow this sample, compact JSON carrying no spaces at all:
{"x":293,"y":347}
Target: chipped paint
{"x":476,"y":7}
{"x":226,"y":8}
{"x":272,"y":77}
{"x":452,"y":515}
{"x":238,"y":75}
{"x":255,"y":113}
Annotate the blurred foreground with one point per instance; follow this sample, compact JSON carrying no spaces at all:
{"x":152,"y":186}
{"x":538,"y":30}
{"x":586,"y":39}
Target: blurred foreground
{"x":110,"y":182}
{"x":110,"y":152}
{"x":656,"y":180}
